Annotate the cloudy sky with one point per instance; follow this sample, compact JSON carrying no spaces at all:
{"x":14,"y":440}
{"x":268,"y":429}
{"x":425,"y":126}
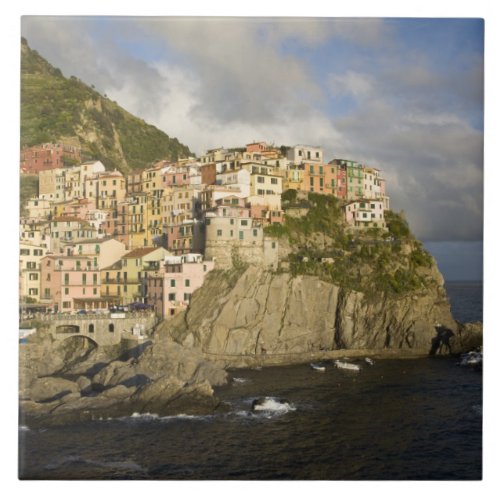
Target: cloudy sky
{"x":402,"y":95}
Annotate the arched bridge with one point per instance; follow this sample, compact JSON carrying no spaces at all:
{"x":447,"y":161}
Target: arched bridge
{"x":103,"y":329}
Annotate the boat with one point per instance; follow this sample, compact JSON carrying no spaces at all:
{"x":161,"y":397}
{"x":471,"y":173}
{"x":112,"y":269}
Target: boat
{"x":369,"y":361}
{"x":346,"y":366}
{"x":318,"y":368}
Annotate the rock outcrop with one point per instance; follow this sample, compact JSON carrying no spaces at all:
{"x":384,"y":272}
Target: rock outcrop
{"x":259,"y":312}
{"x":163,"y":377}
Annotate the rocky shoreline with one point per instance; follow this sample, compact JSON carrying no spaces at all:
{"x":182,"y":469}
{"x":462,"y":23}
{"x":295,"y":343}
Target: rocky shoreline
{"x":159,"y":377}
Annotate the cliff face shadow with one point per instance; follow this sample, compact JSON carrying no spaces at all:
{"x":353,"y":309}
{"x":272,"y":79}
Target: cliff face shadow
{"x":441,"y":341}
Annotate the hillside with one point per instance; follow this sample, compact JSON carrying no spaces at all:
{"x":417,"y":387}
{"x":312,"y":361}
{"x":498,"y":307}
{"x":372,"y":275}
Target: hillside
{"x":314,"y":240}
{"x":59,"y":109}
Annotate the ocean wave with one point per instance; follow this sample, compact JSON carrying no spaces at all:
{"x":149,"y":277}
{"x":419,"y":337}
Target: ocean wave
{"x":272,"y":405}
{"x":145,"y":417}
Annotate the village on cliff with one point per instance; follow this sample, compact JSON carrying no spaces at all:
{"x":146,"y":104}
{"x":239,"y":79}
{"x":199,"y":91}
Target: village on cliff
{"x":95,"y":239}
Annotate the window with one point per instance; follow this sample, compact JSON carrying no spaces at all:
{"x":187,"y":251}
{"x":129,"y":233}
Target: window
{"x":66,"y":305}
{"x":84,"y":279}
{"x":274,"y":180}
{"x":241,"y":235}
{"x":91,"y":328}
{"x":33,"y":291}
{"x":187,"y":297}
{"x":66,"y":291}
{"x":111,"y":328}
{"x":204,"y":268}
{"x":244,"y":222}
{"x":311,"y":169}
{"x":317,"y":154}
{"x":260,"y":179}
{"x":273,"y":245}
{"x":171,"y":296}
{"x":187,"y":283}
{"x":364,"y":215}
{"x":172,"y":283}
{"x":33,"y":276}
{"x":66,"y":278}
{"x":255,"y":232}
{"x":219,"y":232}
{"x":231,"y":221}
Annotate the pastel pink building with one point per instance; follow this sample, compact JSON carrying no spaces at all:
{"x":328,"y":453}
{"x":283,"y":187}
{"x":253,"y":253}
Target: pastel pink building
{"x":68,"y":281}
{"x":263,"y":214}
{"x":175,"y":176}
{"x":170,"y":289}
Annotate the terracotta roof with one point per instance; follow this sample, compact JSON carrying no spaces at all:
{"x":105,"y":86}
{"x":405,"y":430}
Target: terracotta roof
{"x":139,"y":252}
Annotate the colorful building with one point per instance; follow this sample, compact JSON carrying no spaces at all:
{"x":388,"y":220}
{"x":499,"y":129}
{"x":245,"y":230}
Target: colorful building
{"x":123,"y":282}
{"x":170,"y":289}
{"x":30,"y":256}
{"x":365,"y":213}
{"x":67,"y":278}
{"x":48,"y":156}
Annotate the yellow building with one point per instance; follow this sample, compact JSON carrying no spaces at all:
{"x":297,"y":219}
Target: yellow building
{"x":138,"y":221}
{"x":294,"y":177}
{"x":124,"y":281}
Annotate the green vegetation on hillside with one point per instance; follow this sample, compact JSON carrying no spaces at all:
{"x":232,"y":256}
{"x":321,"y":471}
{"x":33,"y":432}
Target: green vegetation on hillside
{"x":388,"y":261}
{"x":57,"y":109}
{"x":28,"y":189}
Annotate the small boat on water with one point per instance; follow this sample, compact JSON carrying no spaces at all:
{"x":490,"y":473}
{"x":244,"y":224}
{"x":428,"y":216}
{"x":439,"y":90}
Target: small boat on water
{"x":318,"y":368}
{"x":346,"y":366}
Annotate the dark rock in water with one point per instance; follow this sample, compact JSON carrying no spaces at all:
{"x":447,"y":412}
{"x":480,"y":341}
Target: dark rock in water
{"x":469,"y":337}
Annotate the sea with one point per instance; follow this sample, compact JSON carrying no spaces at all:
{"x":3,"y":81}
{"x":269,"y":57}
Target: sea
{"x":412,"y":419}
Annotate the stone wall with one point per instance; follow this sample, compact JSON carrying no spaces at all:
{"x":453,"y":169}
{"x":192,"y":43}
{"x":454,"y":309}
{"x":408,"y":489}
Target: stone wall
{"x":227,"y":254}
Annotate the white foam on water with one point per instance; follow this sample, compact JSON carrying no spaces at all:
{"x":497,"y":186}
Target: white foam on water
{"x":270,"y":404}
{"x":144,"y":416}
{"x":471,"y":358}
{"x":24,"y":428}
{"x":369,"y":361}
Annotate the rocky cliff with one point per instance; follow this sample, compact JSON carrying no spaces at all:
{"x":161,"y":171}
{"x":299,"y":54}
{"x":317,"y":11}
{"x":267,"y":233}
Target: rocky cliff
{"x":71,"y":380}
{"x":255,"y":312}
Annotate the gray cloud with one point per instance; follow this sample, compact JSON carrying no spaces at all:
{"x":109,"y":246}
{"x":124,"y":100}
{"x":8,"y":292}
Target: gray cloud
{"x":228,"y":81}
